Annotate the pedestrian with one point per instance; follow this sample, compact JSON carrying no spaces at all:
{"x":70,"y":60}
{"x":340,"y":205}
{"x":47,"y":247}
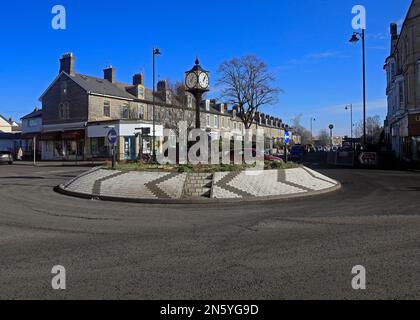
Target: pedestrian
{"x":20,"y":154}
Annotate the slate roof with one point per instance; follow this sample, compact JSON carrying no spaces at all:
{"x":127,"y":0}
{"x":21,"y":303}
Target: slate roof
{"x":33,"y":114}
{"x":116,"y":89}
{"x":101,"y":86}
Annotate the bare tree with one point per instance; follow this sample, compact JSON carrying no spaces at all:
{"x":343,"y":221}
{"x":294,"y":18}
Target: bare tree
{"x":301,"y":130}
{"x":181,"y":111}
{"x":247,"y":84}
{"x":324,"y":138}
{"x":373,"y":129}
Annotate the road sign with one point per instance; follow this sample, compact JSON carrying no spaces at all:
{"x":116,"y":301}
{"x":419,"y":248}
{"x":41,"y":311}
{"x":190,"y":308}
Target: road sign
{"x":368,"y":158}
{"x":112,"y":137}
{"x":286,"y":137}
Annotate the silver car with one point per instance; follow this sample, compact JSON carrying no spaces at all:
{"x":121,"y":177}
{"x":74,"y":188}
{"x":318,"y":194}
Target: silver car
{"x":6,"y":157}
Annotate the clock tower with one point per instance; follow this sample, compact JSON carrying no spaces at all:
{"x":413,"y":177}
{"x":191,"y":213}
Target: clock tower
{"x":197,"y":82}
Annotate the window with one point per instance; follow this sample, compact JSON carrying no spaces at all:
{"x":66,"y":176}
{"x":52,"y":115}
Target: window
{"x":64,"y":88}
{"x":99,"y":147}
{"x":64,"y":111}
{"x":141,"y":112}
{"x":216,"y":121}
{"x":418,"y":76}
{"x":392,"y":69}
{"x":150,"y":112}
{"x":33,"y":123}
{"x":125,"y":112}
{"x":401,"y":94}
{"x":223,"y":122}
{"x":168,"y":115}
{"x":208,"y":120}
{"x":107,"y":109}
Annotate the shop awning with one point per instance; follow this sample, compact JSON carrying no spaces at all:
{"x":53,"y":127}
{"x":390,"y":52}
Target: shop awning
{"x":63,"y":135}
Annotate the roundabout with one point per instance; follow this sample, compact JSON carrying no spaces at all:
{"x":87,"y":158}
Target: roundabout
{"x":198,"y":187}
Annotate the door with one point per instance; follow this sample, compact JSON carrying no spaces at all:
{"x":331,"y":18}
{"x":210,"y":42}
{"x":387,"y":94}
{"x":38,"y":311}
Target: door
{"x":129,"y":148}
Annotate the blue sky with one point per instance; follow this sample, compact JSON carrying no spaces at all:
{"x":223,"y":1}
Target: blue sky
{"x":304,"y":42}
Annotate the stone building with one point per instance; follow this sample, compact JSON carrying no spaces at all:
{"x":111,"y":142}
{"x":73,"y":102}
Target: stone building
{"x":402,"y":125}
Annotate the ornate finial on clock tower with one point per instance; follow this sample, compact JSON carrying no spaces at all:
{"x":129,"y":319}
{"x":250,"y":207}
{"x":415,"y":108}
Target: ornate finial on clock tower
{"x":197,"y":62}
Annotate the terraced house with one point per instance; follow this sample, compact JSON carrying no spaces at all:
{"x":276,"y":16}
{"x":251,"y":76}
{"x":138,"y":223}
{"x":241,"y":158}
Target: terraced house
{"x":78,"y":110}
{"x":402,"y":125}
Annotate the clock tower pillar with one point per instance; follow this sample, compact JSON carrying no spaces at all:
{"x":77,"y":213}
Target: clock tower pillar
{"x":197,"y":83}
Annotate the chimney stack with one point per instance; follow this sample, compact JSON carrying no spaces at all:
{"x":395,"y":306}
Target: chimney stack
{"x":162,"y":86}
{"x":67,"y":64}
{"x":394,"y":36}
{"x":394,"y":30}
{"x":138,"y":79}
{"x":109,"y":74}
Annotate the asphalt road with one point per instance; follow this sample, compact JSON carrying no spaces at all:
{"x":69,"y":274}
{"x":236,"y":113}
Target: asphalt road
{"x":298,"y":249}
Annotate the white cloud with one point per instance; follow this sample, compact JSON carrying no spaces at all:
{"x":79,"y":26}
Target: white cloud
{"x":311,"y":58}
{"x":378,"y":104}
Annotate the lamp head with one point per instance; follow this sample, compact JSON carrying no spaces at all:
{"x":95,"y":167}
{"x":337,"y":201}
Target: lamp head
{"x":354,"y":38}
{"x":156,"y":52}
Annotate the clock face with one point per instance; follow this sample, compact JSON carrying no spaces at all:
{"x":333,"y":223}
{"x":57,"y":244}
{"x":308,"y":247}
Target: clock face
{"x":191,"y":80}
{"x":204,"y":80}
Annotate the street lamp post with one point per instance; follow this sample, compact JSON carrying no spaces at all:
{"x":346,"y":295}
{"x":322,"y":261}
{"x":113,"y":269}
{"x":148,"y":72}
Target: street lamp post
{"x":312,"y":120}
{"x":331,"y":127}
{"x":354,"y":39}
{"x":156,"y":52}
{"x":350,"y":107}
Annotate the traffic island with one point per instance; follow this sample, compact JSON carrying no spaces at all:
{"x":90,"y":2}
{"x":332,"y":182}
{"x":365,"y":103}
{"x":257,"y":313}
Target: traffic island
{"x":198,"y":187}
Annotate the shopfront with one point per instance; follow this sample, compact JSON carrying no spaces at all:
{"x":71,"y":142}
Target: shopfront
{"x":66,"y":145}
{"x":129,"y":144}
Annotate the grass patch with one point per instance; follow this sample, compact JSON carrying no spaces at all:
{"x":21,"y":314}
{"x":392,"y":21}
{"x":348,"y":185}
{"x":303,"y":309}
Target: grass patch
{"x":135,"y":166}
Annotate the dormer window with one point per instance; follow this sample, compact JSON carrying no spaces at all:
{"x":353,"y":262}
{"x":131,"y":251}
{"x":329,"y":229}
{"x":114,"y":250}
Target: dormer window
{"x":140,"y":92}
{"x":207,"y":105}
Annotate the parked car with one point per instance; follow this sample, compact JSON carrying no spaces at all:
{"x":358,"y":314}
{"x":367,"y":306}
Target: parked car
{"x":297,"y":153}
{"x":6,"y":157}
